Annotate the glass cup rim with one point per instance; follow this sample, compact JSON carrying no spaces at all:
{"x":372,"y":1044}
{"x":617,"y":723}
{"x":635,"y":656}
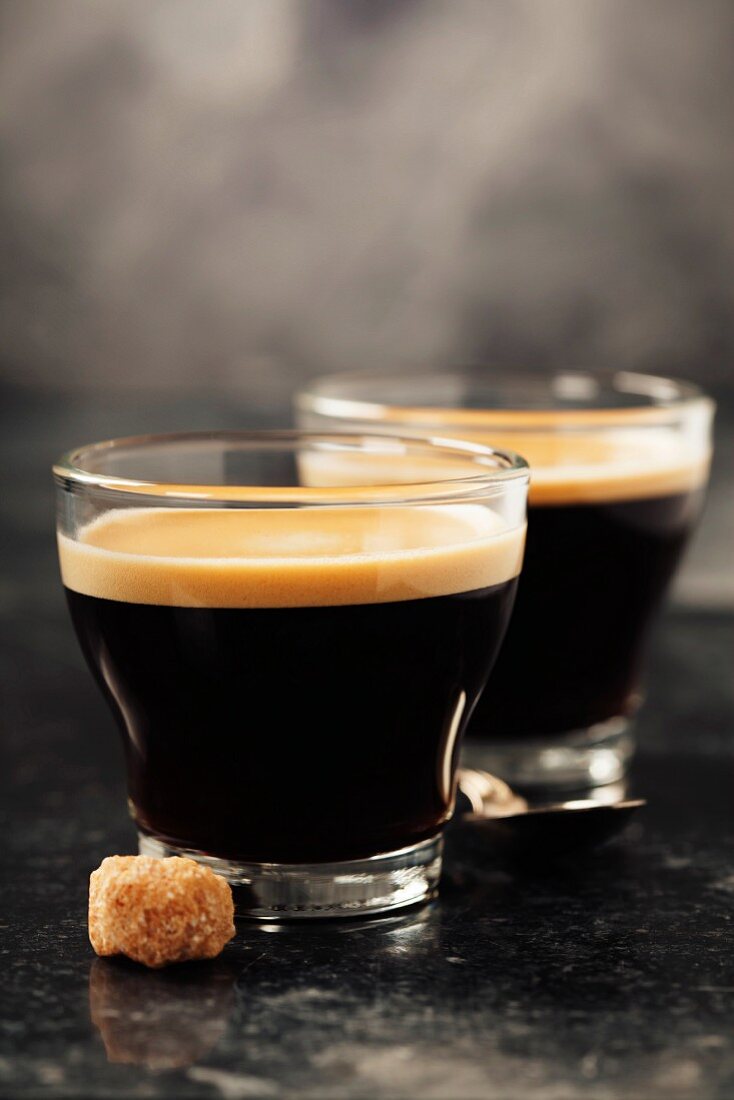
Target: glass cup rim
{"x":662,"y":399}
{"x":497,"y":469}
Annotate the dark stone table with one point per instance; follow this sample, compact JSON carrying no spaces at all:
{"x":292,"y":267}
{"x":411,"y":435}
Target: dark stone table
{"x":608,"y":975}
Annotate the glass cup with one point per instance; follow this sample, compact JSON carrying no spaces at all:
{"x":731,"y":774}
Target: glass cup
{"x":292,"y":631}
{"x":618,"y":464}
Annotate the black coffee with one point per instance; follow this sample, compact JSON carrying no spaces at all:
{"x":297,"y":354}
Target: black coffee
{"x":292,"y":734}
{"x":321,"y":726}
{"x":593,"y":575}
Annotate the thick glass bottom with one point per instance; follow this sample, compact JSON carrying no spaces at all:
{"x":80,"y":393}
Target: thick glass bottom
{"x":570,"y":761}
{"x":297,"y":891}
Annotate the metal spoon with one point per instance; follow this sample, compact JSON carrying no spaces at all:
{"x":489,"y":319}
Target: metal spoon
{"x":510,"y":824}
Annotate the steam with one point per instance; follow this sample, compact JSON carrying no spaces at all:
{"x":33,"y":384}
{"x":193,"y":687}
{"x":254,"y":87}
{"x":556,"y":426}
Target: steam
{"x":250,"y":193}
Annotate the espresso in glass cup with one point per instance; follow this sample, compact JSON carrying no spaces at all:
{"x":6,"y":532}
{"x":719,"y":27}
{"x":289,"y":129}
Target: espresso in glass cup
{"x":619,"y":463}
{"x":292,"y":662}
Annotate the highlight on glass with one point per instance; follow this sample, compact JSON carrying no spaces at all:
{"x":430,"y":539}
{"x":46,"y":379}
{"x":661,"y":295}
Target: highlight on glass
{"x":292,"y":631}
{"x":619,"y":463}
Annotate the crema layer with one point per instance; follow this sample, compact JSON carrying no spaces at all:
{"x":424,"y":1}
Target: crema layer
{"x":566,"y":467}
{"x":239,"y":558}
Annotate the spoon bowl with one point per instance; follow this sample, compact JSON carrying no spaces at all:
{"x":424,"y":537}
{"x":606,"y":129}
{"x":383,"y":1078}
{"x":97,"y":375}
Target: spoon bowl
{"x":504,"y":822}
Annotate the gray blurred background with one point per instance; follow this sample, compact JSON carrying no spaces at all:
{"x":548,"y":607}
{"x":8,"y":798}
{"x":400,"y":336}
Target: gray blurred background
{"x":205,"y":204}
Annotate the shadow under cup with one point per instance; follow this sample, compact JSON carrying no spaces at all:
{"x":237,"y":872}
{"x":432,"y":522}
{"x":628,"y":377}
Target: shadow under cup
{"x":618,"y":470}
{"x":292,"y":662}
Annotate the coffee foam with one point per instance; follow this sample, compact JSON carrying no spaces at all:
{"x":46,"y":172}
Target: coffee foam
{"x":585,"y":467}
{"x":566,"y":467}
{"x":615,"y":459}
{"x":313,"y":557}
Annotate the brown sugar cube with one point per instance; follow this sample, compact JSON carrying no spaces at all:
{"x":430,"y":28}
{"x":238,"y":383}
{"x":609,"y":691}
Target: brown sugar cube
{"x":159,"y":911}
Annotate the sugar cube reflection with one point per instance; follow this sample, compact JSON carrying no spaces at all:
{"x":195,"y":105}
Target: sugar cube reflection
{"x":162,"y":1020}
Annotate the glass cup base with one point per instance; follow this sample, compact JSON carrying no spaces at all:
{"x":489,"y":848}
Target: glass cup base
{"x":580,"y":759}
{"x":298,"y":891}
